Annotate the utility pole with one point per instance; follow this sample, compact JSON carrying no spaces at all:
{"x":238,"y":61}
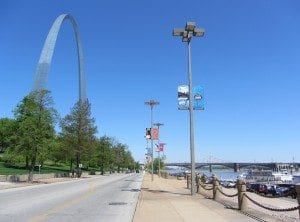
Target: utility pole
{"x":187,"y":33}
{"x":151,"y":103}
{"x":158,"y":125}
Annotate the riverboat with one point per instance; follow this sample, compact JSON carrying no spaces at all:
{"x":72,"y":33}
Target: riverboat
{"x":296,"y":178}
{"x":283,"y":176}
{"x":259,"y":176}
{"x":267,"y":176}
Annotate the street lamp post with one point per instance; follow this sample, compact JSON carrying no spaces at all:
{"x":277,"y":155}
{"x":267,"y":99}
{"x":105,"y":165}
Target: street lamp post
{"x":151,"y":103}
{"x":158,"y":125}
{"x":187,"y":33}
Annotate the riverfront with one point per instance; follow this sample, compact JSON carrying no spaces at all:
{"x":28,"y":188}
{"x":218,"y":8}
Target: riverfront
{"x":222,"y":174}
{"x":169,"y":200}
{"x":164,"y":199}
{"x":95,"y":92}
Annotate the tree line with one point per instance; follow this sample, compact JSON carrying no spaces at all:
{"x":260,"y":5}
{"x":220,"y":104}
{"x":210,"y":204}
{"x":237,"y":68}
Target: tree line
{"x":30,"y":138}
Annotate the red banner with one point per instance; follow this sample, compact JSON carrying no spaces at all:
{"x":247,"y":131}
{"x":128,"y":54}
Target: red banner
{"x":154,"y":134}
{"x":160,"y":147}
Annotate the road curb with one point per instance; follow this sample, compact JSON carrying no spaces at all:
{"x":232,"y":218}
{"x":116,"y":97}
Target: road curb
{"x":138,"y":199}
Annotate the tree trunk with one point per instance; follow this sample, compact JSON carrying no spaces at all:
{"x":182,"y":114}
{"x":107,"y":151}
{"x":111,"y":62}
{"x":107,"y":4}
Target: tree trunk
{"x":27,"y":162}
{"x":102,"y":170}
{"x":78,"y":170}
{"x":71,"y":167}
{"x":31,"y":169}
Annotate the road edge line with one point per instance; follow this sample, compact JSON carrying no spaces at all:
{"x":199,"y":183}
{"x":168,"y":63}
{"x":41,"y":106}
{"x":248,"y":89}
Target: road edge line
{"x":138,"y":199}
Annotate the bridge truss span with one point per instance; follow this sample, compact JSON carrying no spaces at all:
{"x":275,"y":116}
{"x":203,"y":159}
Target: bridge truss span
{"x":237,"y":166}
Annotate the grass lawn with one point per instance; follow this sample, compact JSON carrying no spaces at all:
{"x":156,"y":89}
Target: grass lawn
{"x":4,"y":170}
{"x":47,"y":168}
{"x":19,"y":169}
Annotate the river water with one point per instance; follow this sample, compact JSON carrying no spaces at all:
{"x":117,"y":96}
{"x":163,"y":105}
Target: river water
{"x":221,"y":174}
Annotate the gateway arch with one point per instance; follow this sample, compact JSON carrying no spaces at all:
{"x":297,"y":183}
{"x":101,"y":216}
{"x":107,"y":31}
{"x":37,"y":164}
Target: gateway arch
{"x":44,"y":63}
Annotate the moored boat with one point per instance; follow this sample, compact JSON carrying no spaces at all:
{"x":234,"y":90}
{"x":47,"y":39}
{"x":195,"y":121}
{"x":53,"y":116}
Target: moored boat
{"x":296,"y":178}
{"x":260,"y":176}
{"x":267,"y":176}
{"x":283,"y":177}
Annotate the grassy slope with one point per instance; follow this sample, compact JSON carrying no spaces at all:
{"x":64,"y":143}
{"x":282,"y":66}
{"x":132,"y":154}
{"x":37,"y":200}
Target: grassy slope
{"x":18,"y":170}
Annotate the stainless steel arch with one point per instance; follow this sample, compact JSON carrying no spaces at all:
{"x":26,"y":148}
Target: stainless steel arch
{"x":44,"y":63}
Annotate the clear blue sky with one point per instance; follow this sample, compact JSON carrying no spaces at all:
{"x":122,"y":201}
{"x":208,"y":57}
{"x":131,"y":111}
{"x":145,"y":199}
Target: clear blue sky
{"x":248,"y":63}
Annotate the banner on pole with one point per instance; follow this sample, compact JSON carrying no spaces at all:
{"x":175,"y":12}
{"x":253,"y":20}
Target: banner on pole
{"x":154,"y":133}
{"x":198,"y":101}
{"x":183,"y":97}
{"x":148,"y":133}
{"x":160,"y":147}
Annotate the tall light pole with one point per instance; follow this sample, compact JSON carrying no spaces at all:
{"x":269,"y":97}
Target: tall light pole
{"x":151,"y":103}
{"x":187,"y":33}
{"x":158,"y":125}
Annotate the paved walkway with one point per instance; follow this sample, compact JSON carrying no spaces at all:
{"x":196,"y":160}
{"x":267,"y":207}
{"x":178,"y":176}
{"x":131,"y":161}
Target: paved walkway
{"x":169,"y":200}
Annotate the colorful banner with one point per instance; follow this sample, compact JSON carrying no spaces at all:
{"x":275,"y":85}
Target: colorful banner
{"x":198,"y":101}
{"x":148,"y":133}
{"x":154,"y":134}
{"x":160,"y":147}
{"x":183,"y":97}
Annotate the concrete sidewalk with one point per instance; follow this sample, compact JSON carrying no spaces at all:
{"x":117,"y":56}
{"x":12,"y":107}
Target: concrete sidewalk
{"x":169,"y":200}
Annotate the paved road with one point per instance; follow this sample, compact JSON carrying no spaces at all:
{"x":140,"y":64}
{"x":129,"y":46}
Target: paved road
{"x":102,"y":198}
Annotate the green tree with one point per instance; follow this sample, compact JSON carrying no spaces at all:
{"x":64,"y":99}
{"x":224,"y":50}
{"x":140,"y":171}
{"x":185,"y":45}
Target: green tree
{"x":7,"y":131}
{"x":58,"y":152}
{"x":78,"y":132}
{"x":122,"y":157}
{"x":104,"y":153}
{"x":90,"y":155}
{"x":158,"y":162}
{"x":67,"y":149}
{"x":35,"y":119}
{"x":128,"y":160}
{"x":137,"y":166}
{"x":119,"y":151}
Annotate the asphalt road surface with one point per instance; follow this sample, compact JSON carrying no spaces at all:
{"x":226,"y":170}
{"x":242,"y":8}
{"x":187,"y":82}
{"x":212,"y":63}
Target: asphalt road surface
{"x":101,"y":198}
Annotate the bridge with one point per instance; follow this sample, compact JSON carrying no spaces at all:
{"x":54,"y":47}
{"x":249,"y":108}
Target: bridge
{"x":241,"y":165}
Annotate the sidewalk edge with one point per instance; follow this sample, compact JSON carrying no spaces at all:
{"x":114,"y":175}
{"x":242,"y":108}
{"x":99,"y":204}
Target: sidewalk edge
{"x":138,"y":199}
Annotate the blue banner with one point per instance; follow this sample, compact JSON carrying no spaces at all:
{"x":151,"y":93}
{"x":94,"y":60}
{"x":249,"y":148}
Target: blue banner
{"x":183,"y":98}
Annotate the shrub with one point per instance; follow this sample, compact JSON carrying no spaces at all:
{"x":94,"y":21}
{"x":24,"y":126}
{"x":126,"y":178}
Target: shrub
{"x":64,"y":174}
{"x":14,"y":178}
{"x":92,"y":172}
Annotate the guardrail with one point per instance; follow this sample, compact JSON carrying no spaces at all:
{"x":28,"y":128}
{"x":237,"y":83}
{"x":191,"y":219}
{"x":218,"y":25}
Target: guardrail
{"x":241,"y":194}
